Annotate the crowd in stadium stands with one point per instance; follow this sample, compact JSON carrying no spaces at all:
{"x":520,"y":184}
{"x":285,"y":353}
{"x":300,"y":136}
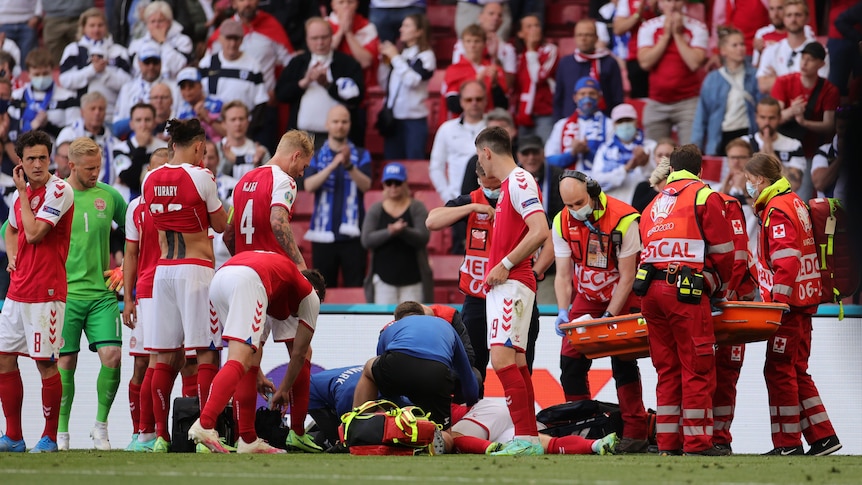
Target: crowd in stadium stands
{"x":394,"y":94}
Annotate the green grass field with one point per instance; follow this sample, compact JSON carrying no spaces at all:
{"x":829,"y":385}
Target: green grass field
{"x":117,"y":467}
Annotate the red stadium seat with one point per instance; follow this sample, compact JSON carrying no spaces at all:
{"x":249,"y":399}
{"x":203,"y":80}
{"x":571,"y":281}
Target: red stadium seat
{"x":430,"y":198}
{"x":441,"y":18}
{"x":345,"y":295}
{"x":443,"y":47}
{"x":299,"y":228}
{"x":448,"y":294}
{"x":372,"y":197}
{"x":711,"y":168}
{"x":417,"y":175}
{"x":566,"y":46}
{"x":436,"y":81}
{"x":446,"y":268}
{"x":303,"y":207}
{"x":560,"y":18}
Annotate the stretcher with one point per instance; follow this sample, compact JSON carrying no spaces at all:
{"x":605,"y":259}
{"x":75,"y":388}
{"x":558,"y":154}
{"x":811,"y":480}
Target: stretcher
{"x":626,"y":336}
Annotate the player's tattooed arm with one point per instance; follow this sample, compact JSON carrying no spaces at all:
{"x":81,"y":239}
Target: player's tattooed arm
{"x":279,"y":220}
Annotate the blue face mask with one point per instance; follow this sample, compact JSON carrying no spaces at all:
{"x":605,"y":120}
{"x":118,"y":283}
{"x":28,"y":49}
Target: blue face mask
{"x":588,"y":105}
{"x":626,"y":132}
{"x":751,"y":189}
{"x":492,"y":194}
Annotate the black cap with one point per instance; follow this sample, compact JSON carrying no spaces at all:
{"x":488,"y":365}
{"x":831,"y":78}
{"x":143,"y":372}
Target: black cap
{"x":530,"y":142}
{"x":815,"y":50}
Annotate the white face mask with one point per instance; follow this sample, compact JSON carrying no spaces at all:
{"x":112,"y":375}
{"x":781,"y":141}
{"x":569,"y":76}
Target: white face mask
{"x":41,"y":83}
{"x":583,"y":213}
{"x":492,"y":193}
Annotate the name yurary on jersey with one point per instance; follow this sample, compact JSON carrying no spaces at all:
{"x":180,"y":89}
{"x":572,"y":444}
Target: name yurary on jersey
{"x":165,"y":190}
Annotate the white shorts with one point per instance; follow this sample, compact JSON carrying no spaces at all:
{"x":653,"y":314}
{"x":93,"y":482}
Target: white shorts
{"x":34,"y":329}
{"x":281,"y":330}
{"x":489,"y":419}
{"x":143,"y":307}
{"x":509,"y":309}
{"x":239,"y":299}
{"x":181,"y":317}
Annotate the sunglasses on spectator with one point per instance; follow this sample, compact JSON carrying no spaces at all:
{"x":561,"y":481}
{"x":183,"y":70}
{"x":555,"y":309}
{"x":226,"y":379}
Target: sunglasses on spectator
{"x":791,"y":58}
{"x":391,"y":183}
{"x":477,"y":99}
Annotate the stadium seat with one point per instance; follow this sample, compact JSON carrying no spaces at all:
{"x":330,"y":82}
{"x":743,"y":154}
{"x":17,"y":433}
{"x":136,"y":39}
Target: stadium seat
{"x":448,"y":294}
{"x":565,"y":45}
{"x":303,"y":207}
{"x":560,"y":18}
{"x":417,"y":175}
{"x":430,"y":198}
{"x":443,"y":47}
{"x":446,"y":268}
{"x":372,"y":197}
{"x":441,"y":18}
{"x":712,"y":168}
{"x":436,"y":81}
{"x":299,"y":228}
{"x":345,"y":295}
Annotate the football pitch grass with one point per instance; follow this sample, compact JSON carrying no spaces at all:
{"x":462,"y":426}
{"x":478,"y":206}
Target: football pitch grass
{"x":118,"y":467}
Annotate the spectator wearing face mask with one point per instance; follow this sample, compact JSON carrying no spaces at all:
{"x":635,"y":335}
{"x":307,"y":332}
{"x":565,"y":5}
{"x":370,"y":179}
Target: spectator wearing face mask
{"x":623,"y":161}
{"x":574,"y":140}
{"x":41,"y":104}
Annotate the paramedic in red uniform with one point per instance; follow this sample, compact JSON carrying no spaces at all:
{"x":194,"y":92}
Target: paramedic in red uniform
{"x":728,"y":358}
{"x":599,"y":234}
{"x":688,"y":253}
{"x":787,"y":271}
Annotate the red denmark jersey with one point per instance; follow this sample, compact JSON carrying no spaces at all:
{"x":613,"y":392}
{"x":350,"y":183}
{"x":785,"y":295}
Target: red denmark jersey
{"x":787,"y":266}
{"x":478,"y":245}
{"x":670,"y":80}
{"x":181,"y":197}
{"x":40,"y":269}
{"x":284,"y":283}
{"x":140,"y":229}
{"x":519,"y":199}
{"x":789,"y":87}
{"x":255,"y":194}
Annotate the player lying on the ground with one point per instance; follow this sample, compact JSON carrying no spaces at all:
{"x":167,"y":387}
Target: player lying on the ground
{"x":487,"y":425}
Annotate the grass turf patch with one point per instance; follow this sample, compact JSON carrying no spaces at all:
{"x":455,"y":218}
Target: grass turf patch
{"x":91,"y":467}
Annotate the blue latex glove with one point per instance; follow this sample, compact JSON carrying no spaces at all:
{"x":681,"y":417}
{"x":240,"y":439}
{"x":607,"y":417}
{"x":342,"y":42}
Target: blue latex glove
{"x":562,"y":317}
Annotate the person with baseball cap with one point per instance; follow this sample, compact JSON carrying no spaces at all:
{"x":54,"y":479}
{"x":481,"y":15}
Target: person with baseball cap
{"x":574,"y":140}
{"x":623,"y":161}
{"x":195,"y":103}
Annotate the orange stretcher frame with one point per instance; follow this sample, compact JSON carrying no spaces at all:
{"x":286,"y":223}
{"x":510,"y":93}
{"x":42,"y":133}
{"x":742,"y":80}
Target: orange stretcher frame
{"x":626,"y":336}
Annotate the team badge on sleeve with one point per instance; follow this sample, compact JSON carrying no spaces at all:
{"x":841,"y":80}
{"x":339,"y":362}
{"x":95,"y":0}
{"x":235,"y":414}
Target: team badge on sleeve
{"x":778,"y":231}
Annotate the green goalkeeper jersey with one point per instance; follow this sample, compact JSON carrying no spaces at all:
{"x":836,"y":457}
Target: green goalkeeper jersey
{"x":90,"y":246}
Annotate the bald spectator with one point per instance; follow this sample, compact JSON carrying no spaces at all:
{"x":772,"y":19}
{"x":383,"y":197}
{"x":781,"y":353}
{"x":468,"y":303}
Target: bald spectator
{"x":339,"y":175}
{"x":467,"y":13}
{"x":94,"y":62}
{"x":588,"y":60}
{"x":316,"y":81}
{"x":496,"y":50}
{"x":672,"y":48}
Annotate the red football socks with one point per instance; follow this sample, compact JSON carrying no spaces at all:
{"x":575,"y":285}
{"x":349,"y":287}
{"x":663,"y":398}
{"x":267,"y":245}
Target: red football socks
{"x":52,"y":393}
{"x":147,"y":422}
{"x":570,"y":445}
{"x":223,"y":387}
{"x":134,"y":405}
{"x":517,"y":399}
{"x":471,"y":444}
{"x":244,"y":401}
{"x":206,"y":374}
{"x":162,"y":383}
{"x":12,"y":397}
